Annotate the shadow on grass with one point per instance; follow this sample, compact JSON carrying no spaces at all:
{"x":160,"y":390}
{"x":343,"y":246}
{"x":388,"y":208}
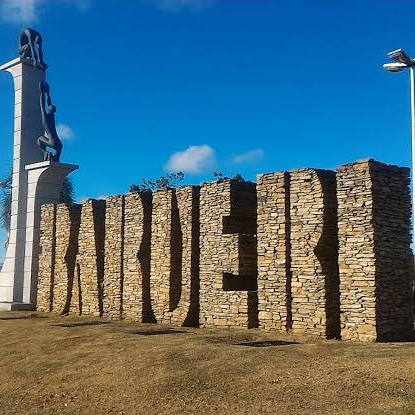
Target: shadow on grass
{"x":157,"y":332}
{"x":266,"y":343}
{"x":22,"y":318}
{"x":81,"y":324}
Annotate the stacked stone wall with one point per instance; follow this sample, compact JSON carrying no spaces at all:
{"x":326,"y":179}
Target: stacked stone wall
{"x":58,"y":249}
{"x":287,"y":255}
{"x":165,"y":279}
{"x":187,"y":311}
{"x":114,"y":258}
{"x":136,"y":258}
{"x":274,"y":257}
{"x":376,"y":273}
{"x":314,"y":252}
{"x":46,"y":258}
{"x":88,"y":282}
{"x":66,"y":249}
{"x":174,"y":253}
{"x":228,"y":269}
{"x":394,"y":274}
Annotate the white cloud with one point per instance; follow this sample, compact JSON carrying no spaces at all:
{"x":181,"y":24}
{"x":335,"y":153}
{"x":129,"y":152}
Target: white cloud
{"x":177,"y":5}
{"x":26,"y":11}
{"x":19,"y":10}
{"x":249,"y":156}
{"x":194,"y":160}
{"x":64,"y":131}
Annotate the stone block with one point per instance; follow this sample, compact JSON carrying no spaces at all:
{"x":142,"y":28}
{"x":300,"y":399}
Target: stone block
{"x":227,"y":297}
{"x":274,"y":256}
{"x":174,"y":256}
{"x":66,"y":249}
{"x":46,"y":258}
{"x":114,"y":257}
{"x":87,"y":289}
{"x":136,"y":303}
{"x":314,"y":253}
{"x":376,"y":265}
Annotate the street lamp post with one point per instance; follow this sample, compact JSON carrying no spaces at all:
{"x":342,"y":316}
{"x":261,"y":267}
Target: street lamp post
{"x":403,"y":61}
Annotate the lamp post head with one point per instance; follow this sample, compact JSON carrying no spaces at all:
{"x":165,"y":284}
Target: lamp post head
{"x":400,"y":56}
{"x":395,"y":67}
{"x":402,"y":61}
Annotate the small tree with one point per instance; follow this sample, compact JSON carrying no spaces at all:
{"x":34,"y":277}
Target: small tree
{"x":238,"y":177}
{"x":220,"y":177}
{"x":67,"y":195}
{"x":170,"y":181}
{"x":6,"y":202}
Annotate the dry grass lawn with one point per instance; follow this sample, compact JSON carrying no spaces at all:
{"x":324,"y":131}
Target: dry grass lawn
{"x":69,"y":365}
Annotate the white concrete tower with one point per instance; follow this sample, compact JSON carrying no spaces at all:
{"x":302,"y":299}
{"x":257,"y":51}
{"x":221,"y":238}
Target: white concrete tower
{"x":18,"y":277}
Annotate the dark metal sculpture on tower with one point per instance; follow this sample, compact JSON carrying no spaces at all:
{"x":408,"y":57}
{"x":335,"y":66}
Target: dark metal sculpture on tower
{"x":50,"y":138}
{"x":29,"y":41}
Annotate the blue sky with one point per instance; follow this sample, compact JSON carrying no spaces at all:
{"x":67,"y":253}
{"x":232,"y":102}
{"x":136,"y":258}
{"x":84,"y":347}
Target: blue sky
{"x":237,"y":86}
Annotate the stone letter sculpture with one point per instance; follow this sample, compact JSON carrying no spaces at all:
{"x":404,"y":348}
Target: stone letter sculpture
{"x":50,"y":138}
{"x":28,"y":40}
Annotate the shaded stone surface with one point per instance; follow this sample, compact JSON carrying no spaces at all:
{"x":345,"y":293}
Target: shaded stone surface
{"x":66,"y":248}
{"x":88,"y":282}
{"x":174,"y":256}
{"x":314,"y":253}
{"x":136,"y":258}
